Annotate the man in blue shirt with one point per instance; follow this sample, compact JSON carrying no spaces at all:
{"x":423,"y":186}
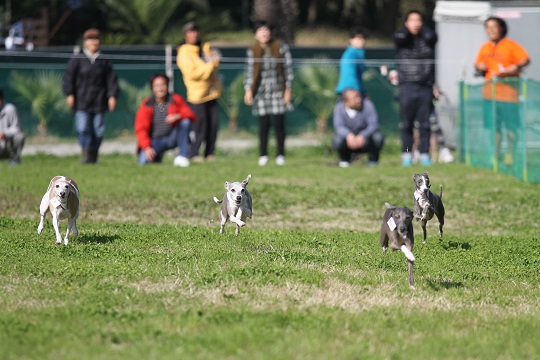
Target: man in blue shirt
{"x":351,"y":65}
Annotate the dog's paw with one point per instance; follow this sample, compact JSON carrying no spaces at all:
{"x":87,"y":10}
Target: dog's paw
{"x":39,"y":229}
{"x":241,"y":223}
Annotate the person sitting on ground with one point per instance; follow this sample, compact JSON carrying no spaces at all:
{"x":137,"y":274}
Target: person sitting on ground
{"x":356,"y":127}
{"x":162,"y":123}
{"x":11,"y":135}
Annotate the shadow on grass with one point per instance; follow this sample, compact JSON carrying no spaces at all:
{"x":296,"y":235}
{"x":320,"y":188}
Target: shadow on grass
{"x":439,"y":284}
{"x":97,"y":239}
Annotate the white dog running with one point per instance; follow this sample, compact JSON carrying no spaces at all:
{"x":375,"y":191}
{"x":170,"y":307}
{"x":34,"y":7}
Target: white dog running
{"x":62,"y":200}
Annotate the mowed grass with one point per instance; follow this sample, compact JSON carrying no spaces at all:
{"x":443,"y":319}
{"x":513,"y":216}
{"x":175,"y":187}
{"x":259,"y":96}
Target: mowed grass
{"x":150,"y":276}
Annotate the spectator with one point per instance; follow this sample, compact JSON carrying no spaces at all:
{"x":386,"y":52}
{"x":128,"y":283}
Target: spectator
{"x":11,"y":135}
{"x":163,"y":123}
{"x":199,"y":64}
{"x":356,"y":128}
{"x":267,"y":84}
{"x":91,"y":87}
{"x":351,"y":64}
{"x":415,"y":53}
{"x":501,"y":57}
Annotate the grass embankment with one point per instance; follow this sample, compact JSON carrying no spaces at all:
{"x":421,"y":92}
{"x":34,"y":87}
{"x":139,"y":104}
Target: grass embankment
{"x":151,"y":277}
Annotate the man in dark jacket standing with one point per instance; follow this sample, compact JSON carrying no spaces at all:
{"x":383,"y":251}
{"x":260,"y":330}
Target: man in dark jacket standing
{"x":91,"y":87}
{"x":415,"y":55}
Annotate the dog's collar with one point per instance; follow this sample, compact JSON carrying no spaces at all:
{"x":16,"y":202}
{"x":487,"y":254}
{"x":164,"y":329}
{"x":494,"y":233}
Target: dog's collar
{"x":58,"y":204}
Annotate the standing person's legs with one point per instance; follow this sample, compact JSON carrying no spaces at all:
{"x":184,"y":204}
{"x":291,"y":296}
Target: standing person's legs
{"x":98,"y":122}
{"x":279,"y":126}
{"x":407,"y":109}
{"x":199,"y":128}
{"x":212,"y":112}
{"x":84,"y":133}
{"x":424,"y":106}
{"x":264,"y":129}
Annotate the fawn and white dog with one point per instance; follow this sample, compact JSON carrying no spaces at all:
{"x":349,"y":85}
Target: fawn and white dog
{"x":236,"y":204}
{"x":62,"y":200}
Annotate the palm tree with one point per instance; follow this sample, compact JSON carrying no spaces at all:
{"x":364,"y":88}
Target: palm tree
{"x":315,"y":85}
{"x":232,"y":99}
{"x":143,"y":21}
{"x":42,"y":92}
{"x":131,"y":96}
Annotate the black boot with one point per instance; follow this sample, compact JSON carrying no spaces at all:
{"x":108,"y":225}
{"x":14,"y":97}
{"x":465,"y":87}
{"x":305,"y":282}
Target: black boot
{"x":85,"y":155}
{"x":93,"y":156}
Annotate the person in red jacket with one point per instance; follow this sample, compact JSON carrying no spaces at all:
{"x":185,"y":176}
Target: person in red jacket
{"x":162,"y":123}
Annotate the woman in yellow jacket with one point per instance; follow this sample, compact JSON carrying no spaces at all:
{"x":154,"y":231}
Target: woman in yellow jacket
{"x":199,"y":64}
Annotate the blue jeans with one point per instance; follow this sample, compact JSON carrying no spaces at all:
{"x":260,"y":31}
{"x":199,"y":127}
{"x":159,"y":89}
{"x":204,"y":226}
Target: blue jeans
{"x":178,"y":137}
{"x":90,"y":129}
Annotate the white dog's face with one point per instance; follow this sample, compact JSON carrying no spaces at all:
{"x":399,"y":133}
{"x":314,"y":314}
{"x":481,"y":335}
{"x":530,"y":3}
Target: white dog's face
{"x":235,"y":191}
{"x":422,"y":182}
{"x":61,"y":189}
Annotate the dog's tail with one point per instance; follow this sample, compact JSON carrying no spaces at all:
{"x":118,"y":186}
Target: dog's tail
{"x":217,"y":201}
{"x":440,"y":195}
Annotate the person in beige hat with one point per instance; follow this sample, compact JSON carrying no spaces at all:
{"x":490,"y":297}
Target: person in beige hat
{"x":91,"y":87}
{"x":199,"y":64}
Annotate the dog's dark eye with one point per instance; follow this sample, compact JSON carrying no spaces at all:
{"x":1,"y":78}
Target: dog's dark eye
{"x":242,"y":191}
{"x":57,"y":186}
{"x":233,"y":190}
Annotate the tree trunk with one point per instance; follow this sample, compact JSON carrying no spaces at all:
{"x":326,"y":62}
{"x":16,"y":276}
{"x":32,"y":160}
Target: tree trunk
{"x":390,"y":9}
{"x":322,"y":125}
{"x":42,"y":129}
{"x":233,"y":124}
{"x":281,"y":15}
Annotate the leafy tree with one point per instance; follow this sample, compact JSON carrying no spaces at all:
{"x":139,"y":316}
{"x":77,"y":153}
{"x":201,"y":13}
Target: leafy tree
{"x":143,"y":21}
{"x":314,"y":86}
{"x":232,"y":99}
{"x":42,"y":92}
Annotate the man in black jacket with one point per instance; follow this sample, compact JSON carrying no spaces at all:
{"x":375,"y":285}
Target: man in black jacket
{"x":91,"y":87}
{"x":415,"y":55}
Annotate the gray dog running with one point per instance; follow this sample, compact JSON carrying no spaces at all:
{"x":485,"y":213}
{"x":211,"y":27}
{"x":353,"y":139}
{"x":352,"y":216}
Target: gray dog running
{"x":236,"y":204}
{"x":398,"y":229}
{"x":426,"y":203}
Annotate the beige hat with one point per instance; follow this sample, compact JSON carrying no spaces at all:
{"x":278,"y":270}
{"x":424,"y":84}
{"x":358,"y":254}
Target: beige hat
{"x":190,"y":26}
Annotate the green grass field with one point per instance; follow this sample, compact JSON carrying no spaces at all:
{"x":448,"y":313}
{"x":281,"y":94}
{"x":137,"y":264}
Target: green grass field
{"x":150,"y":277}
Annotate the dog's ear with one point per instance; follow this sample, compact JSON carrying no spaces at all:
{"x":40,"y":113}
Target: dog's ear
{"x":226,"y":185}
{"x":246,"y":181}
{"x":425,"y":173}
{"x":389,"y":206}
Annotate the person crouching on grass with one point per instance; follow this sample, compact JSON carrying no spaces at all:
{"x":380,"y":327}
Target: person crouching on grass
{"x":162,"y":123}
{"x":356,"y":128}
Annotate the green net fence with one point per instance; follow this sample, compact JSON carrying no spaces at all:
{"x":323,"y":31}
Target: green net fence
{"x":499,"y":127}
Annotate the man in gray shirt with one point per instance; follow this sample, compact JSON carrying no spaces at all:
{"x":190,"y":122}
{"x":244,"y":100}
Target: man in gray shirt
{"x":11,"y":135}
{"x":356,"y":128}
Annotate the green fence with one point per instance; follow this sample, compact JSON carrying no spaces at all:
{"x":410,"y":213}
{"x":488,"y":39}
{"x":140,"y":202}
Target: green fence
{"x":499,"y":127}
{"x":41,"y":72}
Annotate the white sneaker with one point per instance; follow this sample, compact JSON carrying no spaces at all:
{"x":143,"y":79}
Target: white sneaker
{"x":445,"y":155}
{"x":263,"y":160}
{"x":181,"y":161}
{"x":280,"y":160}
{"x":344,"y":164}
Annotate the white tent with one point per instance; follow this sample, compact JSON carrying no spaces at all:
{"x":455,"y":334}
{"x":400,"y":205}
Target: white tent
{"x":459,"y":25}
